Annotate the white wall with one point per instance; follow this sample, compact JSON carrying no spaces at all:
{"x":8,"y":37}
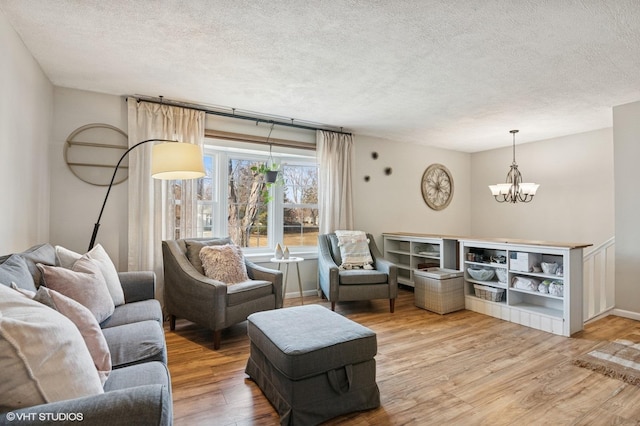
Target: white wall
{"x":26,"y":109}
{"x":394,"y":203}
{"x":575,"y":199}
{"x":75,"y":204}
{"x":626,"y":131}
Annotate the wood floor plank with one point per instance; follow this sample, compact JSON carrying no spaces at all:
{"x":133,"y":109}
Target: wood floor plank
{"x":462,"y":368}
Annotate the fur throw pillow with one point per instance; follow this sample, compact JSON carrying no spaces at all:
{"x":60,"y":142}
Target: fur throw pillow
{"x":224,"y":263}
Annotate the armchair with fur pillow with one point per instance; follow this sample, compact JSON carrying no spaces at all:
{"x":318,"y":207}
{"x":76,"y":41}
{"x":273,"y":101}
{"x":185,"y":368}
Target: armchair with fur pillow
{"x":209,"y":282}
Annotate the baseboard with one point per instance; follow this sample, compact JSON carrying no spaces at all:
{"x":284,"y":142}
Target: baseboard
{"x":626,"y":314}
{"x":296,"y":293}
{"x":600,"y":316}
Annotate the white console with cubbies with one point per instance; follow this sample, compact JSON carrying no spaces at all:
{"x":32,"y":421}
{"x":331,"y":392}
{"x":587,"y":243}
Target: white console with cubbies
{"x":414,"y":251}
{"x":519,"y":290}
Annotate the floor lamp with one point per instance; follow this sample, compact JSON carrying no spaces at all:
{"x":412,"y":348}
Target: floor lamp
{"x":169,"y":160}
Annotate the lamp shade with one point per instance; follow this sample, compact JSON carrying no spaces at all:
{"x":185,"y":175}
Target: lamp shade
{"x":175,"y":160}
{"x":529,"y":188}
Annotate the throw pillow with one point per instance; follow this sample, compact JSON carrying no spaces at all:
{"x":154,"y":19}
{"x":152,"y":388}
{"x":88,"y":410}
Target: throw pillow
{"x":354,"y":250}
{"x":44,"y":358}
{"x":84,"y":283}
{"x":83,"y":320}
{"x":15,"y":269}
{"x":224,"y":263}
{"x":194,"y":247}
{"x":41,"y":253}
{"x":67,"y":258}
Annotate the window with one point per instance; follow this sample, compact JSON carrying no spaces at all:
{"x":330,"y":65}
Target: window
{"x":234,"y":200}
{"x":248,"y":213}
{"x":300,"y":205}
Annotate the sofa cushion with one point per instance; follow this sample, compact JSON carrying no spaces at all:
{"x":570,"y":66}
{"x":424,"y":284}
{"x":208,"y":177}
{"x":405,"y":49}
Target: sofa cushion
{"x":134,"y":312}
{"x":84,"y":283}
{"x":148,"y":373}
{"x":42,"y":253}
{"x":362,"y":276}
{"x":149,"y":385}
{"x":44,"y":358}
{"x":335,"y":249}
{"x":194,"y":246}
{"x":136,"y":343}
{"x":248,"y":290}
{"x":224,"y":263}
{"x":15,"y":270}
{"x":67,"y":258}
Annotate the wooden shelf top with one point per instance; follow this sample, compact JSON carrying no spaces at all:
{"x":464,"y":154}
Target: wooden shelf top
{"x":412,"y":234}
{"x":498,"y":240}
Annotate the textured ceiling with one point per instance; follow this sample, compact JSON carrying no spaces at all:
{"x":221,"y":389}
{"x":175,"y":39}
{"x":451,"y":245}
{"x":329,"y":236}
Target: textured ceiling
{"x":456,"y":74}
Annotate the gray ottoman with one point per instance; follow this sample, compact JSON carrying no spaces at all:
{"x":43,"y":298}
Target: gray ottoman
{"x":312,"y":364}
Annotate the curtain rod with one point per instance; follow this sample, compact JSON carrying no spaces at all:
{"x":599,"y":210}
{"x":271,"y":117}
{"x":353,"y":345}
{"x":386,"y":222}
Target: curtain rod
{"x":162,"y":101}
{"x":209,"y":133}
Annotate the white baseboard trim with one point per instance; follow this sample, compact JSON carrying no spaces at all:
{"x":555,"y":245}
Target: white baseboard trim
{"x":296,"y":293}
{"x":600,"y":316}
{"x":626,"y":314}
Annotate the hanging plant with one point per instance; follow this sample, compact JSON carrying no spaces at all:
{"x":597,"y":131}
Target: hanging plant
{"x":270,"y":171}
{"x":272,"y":175}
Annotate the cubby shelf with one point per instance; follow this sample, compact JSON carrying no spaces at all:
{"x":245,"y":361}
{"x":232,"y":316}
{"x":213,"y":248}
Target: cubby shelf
{"x":526,"y":306}
{"x":410,"y":251}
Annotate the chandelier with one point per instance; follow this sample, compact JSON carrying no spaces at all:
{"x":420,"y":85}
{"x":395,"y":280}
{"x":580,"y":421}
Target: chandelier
{"x":514,"y":190}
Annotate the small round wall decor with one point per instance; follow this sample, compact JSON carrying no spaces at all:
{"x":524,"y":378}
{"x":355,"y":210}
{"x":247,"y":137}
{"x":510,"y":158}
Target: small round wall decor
{"x":437,"y":186}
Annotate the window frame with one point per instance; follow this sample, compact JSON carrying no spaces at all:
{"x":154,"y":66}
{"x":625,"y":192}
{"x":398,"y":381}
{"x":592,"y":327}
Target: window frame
{"x":221,"y":154}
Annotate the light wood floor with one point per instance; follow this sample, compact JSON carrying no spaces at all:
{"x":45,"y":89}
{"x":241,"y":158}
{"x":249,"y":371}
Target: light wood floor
{"x":462,"y":368}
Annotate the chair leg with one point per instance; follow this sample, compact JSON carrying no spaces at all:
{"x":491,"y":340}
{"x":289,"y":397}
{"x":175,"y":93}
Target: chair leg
{"x":217,"y":337}
{"x":333,"y":306}
{"x":172,"y":322}
{"x":392,"y":305}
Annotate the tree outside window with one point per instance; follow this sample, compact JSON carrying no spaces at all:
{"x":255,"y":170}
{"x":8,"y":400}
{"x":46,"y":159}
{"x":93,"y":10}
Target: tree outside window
{"x":230,"y":201}
{"x":248,"y":215}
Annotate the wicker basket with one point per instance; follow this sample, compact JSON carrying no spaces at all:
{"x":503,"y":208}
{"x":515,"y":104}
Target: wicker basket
{"x":488,"y":293}
{"x":439,"y":295}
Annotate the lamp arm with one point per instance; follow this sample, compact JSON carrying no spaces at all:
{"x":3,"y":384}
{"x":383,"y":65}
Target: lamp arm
{"x":104,"y":203}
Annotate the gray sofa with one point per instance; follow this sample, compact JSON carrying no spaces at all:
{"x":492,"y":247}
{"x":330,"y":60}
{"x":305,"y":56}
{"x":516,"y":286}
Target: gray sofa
{"x":138,"y":390}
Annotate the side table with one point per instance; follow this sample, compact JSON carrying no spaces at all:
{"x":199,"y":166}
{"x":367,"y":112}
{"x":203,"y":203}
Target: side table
{"x":286,"y":263}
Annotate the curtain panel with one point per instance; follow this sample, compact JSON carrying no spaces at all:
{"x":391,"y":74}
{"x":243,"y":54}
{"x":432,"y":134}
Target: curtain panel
{"x":335,"y":194}
{"x":152,"y":212}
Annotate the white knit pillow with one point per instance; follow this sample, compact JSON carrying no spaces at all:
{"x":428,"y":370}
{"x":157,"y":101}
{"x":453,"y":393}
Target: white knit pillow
{"x":44,"y":358}
{"x":354,"y":249}
{"x":224,"y":263}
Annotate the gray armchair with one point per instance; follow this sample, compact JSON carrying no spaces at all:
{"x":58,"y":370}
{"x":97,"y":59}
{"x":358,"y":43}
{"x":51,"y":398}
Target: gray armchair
{"x":189,"y":294}
{"x":355,"y":284}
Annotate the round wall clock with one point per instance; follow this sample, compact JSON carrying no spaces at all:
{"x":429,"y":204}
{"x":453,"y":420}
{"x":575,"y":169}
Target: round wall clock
{"x":437,"y":186}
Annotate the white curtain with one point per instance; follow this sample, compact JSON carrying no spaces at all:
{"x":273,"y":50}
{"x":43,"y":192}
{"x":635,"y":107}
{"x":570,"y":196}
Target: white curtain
{"x":335,"y":199}
{"x":151,"y":212}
